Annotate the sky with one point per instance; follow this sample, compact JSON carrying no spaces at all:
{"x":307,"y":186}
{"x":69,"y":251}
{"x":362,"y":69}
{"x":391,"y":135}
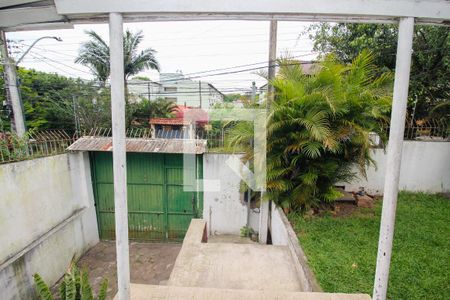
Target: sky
{"x":190,"y":47}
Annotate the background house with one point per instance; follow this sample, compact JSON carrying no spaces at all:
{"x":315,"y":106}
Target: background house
{"x":175,"y":87}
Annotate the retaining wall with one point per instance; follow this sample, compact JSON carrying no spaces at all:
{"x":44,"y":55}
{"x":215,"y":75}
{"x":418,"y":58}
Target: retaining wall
{"x":282,"y":234}
{"x":47,"y":217}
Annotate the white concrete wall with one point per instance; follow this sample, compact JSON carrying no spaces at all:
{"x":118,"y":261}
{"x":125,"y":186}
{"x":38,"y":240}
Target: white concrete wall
{"x":283,"y":234}
{"x":47,"y":216}
{"x":425,"y":167}
{"x":278,"y":230}
{"x":223,"y":209}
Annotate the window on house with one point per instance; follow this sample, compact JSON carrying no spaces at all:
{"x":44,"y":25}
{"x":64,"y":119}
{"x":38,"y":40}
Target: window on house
{"x":170,"y":89}
{"x":173,"y":99}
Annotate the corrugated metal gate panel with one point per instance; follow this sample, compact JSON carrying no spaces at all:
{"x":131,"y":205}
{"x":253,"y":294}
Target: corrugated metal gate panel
{"x":158,"y":207}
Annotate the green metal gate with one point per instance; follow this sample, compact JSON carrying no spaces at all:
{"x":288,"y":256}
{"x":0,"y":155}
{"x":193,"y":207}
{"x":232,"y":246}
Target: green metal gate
{"x":158,"y":206}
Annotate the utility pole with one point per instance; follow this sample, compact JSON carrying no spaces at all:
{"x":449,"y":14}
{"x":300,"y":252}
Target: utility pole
{"x":200,"y":92}
{"x":148,"y":90}
{"x":253,"y":92}
{"x":77,"y":126}
{"x":13,"y":96}
{"x":272,"y":60}
{"x":18,"y":120}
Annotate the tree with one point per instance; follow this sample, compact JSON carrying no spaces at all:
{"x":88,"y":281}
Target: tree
{"x":231,"y":97}
{"x":95,"y":55}
{"x":52,"y":101}
{"x":47,"y":99}
{"x":429,"y":84}
{"x":319,"y":128}
{"x":146,"y":109}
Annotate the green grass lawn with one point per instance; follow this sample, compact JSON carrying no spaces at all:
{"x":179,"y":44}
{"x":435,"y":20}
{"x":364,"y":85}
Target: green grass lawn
{"x":342,"y":250}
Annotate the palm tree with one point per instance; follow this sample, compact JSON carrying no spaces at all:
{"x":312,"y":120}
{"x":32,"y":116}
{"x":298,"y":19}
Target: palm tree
{"x":159,"y":108}
{"x":319,"y":128}
{"x":95,"y":55}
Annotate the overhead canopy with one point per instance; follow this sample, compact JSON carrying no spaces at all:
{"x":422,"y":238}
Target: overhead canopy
{"x":178,"y":146}
{"x":53,"y":14}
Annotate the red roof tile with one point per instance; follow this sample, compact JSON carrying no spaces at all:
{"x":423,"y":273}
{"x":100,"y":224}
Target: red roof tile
{"x":169,"y":121}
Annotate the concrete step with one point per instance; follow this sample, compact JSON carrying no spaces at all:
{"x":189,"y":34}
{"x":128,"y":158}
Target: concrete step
{"x":147,"y":292}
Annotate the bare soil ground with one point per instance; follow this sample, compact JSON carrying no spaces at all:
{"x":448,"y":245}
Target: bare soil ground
{"x":150,"y":263}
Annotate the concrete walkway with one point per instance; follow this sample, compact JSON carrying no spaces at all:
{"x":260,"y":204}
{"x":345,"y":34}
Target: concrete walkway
{"x":236,"y":266}
{"x":232,"y":268}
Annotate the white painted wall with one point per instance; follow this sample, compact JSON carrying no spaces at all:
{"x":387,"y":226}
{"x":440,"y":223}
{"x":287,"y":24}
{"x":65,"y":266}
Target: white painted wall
{"x":47,"y":216}
{"x":425,"y":167}
{"x":188,"y":93}
{"x":283,"y":234}
{"x":144,"y":89}
{"x":278,"y":230}
{"x":223,"y":209}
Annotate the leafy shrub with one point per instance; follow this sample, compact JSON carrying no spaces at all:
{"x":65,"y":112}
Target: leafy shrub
{"x":319,"y":128}
{"x":246,"y":231}
{"x":320,"y":125}
{"x":13,"y":147}
{"x":75,"y":286}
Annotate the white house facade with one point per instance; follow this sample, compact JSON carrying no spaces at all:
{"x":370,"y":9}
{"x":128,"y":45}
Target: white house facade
{"x":175,"y":87}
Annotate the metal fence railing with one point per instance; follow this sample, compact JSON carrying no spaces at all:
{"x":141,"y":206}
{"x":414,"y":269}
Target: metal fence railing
{"x":51,"y":142}
{"x":424,"y":130}
{"x":34,"y":144}
{"x":107,"y":132}
{"x":214,"y":139}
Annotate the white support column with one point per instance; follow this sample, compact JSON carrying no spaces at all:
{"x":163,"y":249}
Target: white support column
{"x":394,"y":156}
{"x":263,"y":221}
{"x":119,"y":153}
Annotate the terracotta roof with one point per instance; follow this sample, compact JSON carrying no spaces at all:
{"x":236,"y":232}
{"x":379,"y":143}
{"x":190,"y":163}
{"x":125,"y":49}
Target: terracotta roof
{"x":104,"y":144}
{"x":169,"y":121}
{"x":191,"y":113}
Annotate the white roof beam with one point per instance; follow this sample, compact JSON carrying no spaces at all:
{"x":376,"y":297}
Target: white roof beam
{"x":322,"y":9}
{"x":8,"y":3}
{"x":29,"y":15}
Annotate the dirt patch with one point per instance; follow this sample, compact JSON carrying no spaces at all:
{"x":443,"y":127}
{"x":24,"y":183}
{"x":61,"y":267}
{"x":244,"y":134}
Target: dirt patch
{"x":348,"y":209}
{"x":150,"y":263}
{"x":344,"y":209}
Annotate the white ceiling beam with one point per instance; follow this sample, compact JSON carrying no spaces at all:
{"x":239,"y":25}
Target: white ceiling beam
{"x":353,"y":11}
{"x":428,"y":9}
{"x":28,"y":15}
{"x":8,"y":3}
{"x":260,"y":17}
{"x":41,"y":26}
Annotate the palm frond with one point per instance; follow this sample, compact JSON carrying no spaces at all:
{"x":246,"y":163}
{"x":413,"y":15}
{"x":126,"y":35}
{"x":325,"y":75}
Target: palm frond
{"x":42,"y":288}
{"x":95,"y":55}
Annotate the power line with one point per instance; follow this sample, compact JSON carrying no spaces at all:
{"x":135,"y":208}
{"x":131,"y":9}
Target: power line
{"x":175,"y":39}
{"x":194,"y":77}
{"x":53,"y":66}
{"x":58,"y":62}
{"x":220,"y":69}
{"x":214,"y":54}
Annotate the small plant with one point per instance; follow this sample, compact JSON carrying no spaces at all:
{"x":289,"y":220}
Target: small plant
{"x":247,"y":231}
{"x":13,"y":147}
{"x":75,"y":286}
